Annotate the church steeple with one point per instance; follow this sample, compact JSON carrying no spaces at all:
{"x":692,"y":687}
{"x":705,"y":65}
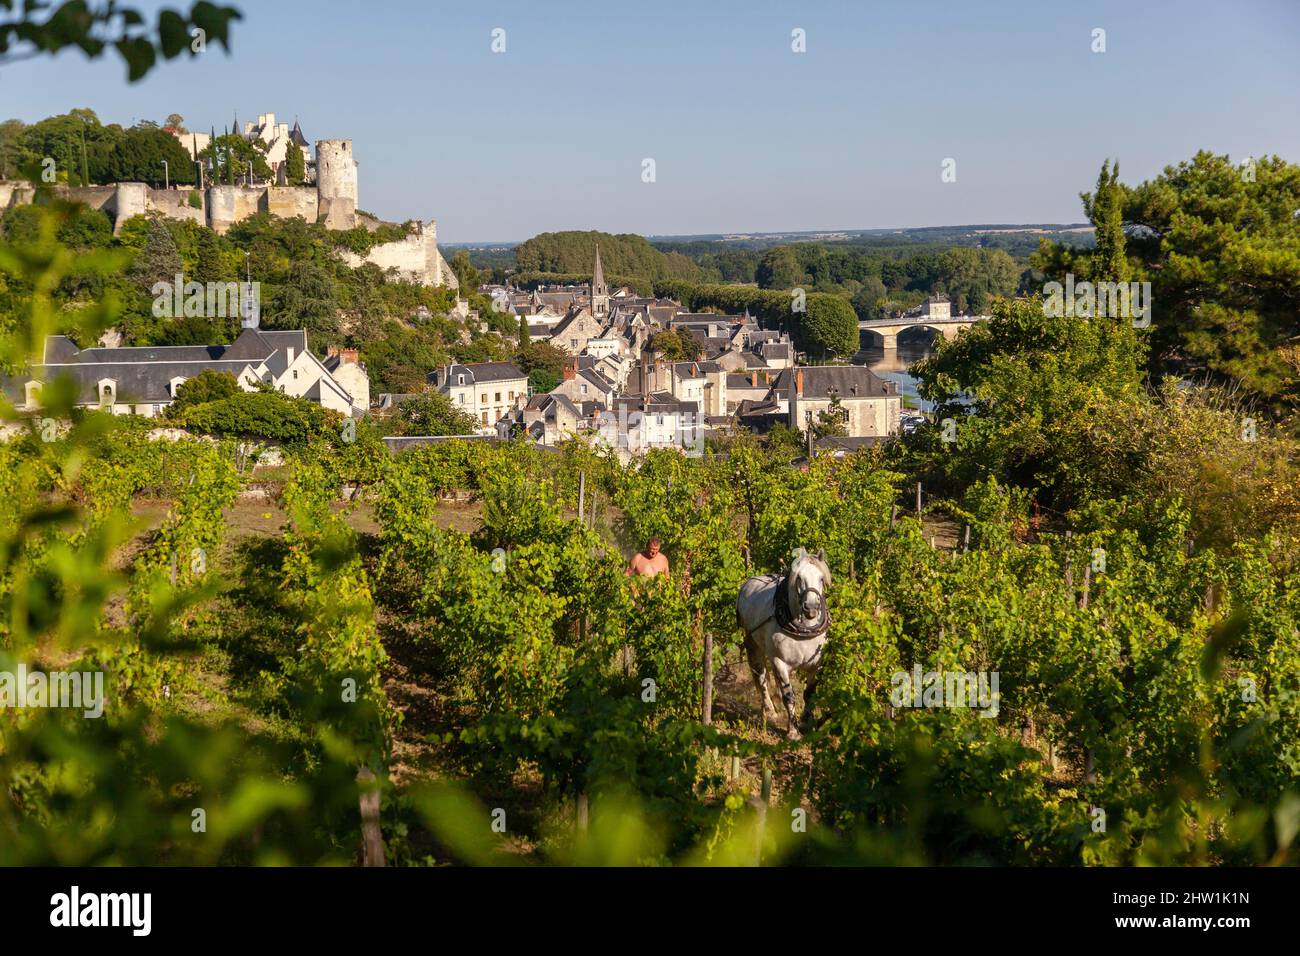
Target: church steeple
{"x":599,"y":290}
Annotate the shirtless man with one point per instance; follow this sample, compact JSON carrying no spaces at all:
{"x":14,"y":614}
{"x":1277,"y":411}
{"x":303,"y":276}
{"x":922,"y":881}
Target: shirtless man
{"x":649,"y":562}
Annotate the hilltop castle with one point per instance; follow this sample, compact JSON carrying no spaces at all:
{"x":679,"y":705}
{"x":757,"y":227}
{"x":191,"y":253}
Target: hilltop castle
{"x":331,"y":201}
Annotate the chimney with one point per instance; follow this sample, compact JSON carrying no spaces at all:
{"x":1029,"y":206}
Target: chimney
{"x":753,"y":378}
{"x":798,"y":382}
{"x":569,"y":372}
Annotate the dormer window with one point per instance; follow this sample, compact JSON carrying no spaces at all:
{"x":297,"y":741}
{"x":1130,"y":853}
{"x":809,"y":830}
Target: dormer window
{"x":460,"y":379}
{"x":33,"y":390}
{"x":175,"y":384}
{"x":107,"y":391}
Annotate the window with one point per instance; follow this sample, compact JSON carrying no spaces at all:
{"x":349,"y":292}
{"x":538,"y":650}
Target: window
{"x":584,"y":389}
{"x":573,"y":343}
{"x":460,"y":379}
{"x":485,"y":418}
{"x":295,"y":373}
{"x":498,"y":398}
{"x":462,"y":398}
{"x":482,"y":399}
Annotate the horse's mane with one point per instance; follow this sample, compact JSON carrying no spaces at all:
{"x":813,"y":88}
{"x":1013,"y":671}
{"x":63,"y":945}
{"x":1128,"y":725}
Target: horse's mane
{"x":816,"y":562}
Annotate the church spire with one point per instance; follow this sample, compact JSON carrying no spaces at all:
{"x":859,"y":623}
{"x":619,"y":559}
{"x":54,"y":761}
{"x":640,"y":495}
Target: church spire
{"x":598,"y":275}
{"x":599,"y":291}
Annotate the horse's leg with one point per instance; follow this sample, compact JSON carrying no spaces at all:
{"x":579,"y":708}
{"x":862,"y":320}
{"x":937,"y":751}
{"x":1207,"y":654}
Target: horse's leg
{"x":782,"y":670}
{"x":809,"y":688}
{"x":758,"y":669}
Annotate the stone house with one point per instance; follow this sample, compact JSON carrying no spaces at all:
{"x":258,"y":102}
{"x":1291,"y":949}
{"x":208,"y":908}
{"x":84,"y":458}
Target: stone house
{"x":144,"y":380}
{"x":872,"y":405}
{"x":487,"y":390}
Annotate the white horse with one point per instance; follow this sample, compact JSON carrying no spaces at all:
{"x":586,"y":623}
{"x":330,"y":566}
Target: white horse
{"x":785,"y":620}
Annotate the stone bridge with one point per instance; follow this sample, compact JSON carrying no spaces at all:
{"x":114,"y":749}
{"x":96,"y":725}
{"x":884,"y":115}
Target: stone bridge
{"x":885,"y":332}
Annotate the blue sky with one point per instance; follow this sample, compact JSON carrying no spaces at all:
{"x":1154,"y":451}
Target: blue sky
{"x":746,"y":135}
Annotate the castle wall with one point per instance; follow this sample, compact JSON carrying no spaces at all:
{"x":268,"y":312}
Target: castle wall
{"x":96,"y":197}
{"x":228,"y":205}
{"x":416,"y":258}
{"x":175,"y":204}
{"x":290,"y":202}
{"x":129,"y":199}
{"x":336,"y":183}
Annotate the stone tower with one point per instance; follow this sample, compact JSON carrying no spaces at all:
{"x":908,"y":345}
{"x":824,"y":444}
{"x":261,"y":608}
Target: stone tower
{"x":599,"y":290}
{"x":336,"y":183}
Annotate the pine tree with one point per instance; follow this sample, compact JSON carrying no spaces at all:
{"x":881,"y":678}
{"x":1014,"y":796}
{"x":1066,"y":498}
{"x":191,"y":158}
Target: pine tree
{"x":208,"y":265}
{"x":85,"y":164}
{"x":158,"y":261}
{"x":1105,"y":210}
{"x":525,"y":339}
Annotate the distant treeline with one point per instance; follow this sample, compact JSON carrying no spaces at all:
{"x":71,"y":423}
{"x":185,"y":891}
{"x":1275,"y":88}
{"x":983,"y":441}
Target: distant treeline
{"x":574,"y":252}
{"x":879,"y":275}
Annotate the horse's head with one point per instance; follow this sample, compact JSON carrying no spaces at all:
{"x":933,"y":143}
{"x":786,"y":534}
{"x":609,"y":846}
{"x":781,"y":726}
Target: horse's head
{"x":810,"y":577}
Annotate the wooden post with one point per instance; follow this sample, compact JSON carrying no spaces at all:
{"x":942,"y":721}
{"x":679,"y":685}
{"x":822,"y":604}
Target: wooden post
{"x":708,"y":678}
{"x":582,"y":491}
{"x":761,"y":808}
{"x":582,"y":812}
{"x":893,"y":515}
{"x":372,"y":837}
{"x":668,"y":491}
{"x":918,"y":499}
{"x":1069,"y":562}
{"x":1087,"y":581}
{"x":965,"y":546}
{"x":735,"y":766}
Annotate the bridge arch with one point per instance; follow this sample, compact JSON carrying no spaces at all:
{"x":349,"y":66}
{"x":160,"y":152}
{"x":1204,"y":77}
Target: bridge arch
{"x":875,"y":339}
{"x":921,"y":333}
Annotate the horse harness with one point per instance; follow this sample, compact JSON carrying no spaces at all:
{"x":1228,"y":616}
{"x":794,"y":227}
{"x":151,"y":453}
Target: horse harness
{"x":785,"y":616}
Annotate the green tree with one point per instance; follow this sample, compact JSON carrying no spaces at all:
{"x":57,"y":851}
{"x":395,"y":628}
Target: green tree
{"x":306,"y":299}
{"x":466,"y":275}
{"x":158,"y":261}
{"x":433,"y":413}
{"x":677,"y":345}
{"x":828,"y":328}
{"x":780,"y":269}
{"x":207,"y":386}
{"x":295,"y":167}
{"x":209,"y":264}
{"x":1220,"y":244}
{"x":231,"y":157}
{"x":1105,"y":209}
{"x":139,"y":154}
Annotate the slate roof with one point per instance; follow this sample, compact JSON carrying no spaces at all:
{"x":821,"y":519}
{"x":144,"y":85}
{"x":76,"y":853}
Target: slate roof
{"x":655,"y":402}
{"x":695,"y":369}
{"x":477,"y":372}
{"x":848,"y":382}
{"x":143,"y":375}
{"x":745,"y":380}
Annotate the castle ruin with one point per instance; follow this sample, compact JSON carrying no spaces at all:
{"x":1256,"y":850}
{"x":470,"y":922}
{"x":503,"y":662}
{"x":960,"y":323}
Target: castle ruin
{"x":332,"y":201}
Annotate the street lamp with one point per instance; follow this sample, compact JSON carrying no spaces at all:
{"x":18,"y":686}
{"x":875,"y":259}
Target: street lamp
{"x":167,"y":182}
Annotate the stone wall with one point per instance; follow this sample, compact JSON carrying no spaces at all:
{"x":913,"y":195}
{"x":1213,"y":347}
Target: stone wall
{"x":336,"y":183}
{"x":416,"y":258}
{"x":289,"y":202}
{"x":228,"y":205}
